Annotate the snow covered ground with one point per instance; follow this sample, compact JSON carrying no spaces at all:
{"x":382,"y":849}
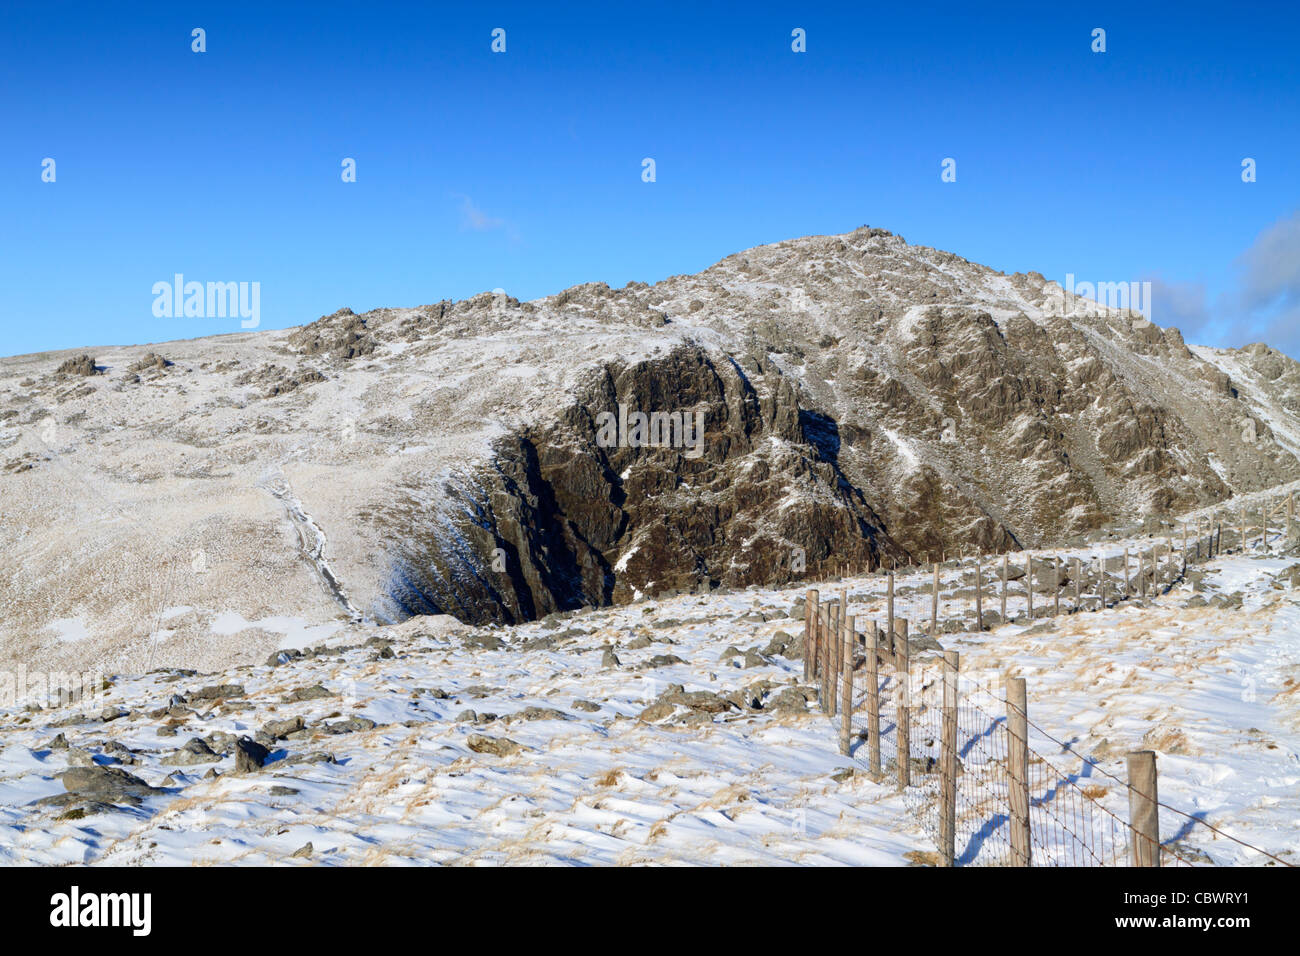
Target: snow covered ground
{"x":660,"y":732}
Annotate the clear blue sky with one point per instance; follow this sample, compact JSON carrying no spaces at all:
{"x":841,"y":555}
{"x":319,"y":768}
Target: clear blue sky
{"x":522,"y":170}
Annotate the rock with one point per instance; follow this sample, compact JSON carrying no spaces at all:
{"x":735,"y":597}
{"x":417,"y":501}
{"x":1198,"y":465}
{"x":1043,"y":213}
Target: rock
{"x":217,"y":692}
{"x":315,"y":692}
{"x":282,"y":791}
{"x":279,"y":658}
{"x":108,"y":784}
{"x":664,"y":660}
{"x":483,"y":640}
{"x":58,"y":742}
{"x":278,"y":729}
{"x":82,"y":365}
{"x":789,"y":701}
{"x":303,"y":851}
{"x":657,"y":711}
{"x":466,"y":716}
{"x":349,"y":725}
{"x":784,"y":645}
{"x":585,"y":705}
{"x":703,"y":700}
{"x":249,"y":755}
{"x":609,"y":659}
{"x":194,"y":751}
{"x":637,"y":643}
{"x":496,"y":746}
{"x":541,"y":713}
{"x":78,"y":757}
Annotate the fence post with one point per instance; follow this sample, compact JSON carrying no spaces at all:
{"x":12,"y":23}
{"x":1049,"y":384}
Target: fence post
{"x":1029,"y":584}
{"x":1078,"y":573}
{"x":839,"y":640}
{"x":811,"y":600}
{"x":1126,"y":583}
{"x":979,"y":595}
{"x":846,"y":682}
{"x":822,"y":657}
{"x":829,"y":673}
{"x":1018,"y":769}
{"x":1142,"y":574}
{"x":1143,"y":812}
{"x":934,"y":606}
{"x":1003,"y":609}
{"x":903,"y":669}
{"x":1056,"y":584}
{"x":873,"y":700}
{"x":1101,"y":579}
{"x":889,"y":607}
{"x":948,"y":762}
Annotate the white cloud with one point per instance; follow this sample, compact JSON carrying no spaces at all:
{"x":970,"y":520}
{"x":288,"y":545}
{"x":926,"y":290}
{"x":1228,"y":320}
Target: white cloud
{"x":473,"y":218}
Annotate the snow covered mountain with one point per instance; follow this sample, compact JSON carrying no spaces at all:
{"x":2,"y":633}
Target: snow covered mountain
{"x":201,"y":502}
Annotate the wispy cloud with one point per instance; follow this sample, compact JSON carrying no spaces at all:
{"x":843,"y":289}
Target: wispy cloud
{"x":473,"y":218}
{"x":1264,"y":305}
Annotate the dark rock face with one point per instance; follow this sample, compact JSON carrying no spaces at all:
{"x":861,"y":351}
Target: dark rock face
{"x":570,"y":522}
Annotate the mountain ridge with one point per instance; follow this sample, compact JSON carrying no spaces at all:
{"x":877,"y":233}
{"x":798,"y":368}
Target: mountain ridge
{"x":865,"y":401}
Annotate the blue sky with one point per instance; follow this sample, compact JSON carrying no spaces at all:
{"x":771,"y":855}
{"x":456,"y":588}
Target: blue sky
{"x":522,"y":170}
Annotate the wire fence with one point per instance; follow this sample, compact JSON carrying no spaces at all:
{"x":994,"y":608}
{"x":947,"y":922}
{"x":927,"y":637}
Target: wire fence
{"x":959,"y":750}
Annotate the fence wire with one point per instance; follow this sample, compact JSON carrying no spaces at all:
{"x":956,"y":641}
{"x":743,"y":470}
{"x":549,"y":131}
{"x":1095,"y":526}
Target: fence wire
{"x":1069,"y":822}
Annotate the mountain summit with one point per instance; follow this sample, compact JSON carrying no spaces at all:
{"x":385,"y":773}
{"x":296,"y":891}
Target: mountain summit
{"x":859,"y":400}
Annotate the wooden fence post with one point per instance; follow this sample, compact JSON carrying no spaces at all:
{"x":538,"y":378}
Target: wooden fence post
{"x":1143,"y":811}
{"x":903,"y":671}
{"x":889,"y":607}
{"x":839,"y":640}
{"x":979,"y":595}
{"x":1018,"y":769}
{"x":831,"y":678}
{"x":1078,"y":574}
{"x":1056,"y":584}
{"x":1003,"y":609}
{"x":873,"y":700}
{"x":948,"y":762}
{"x":846,"y":682}
{"x":811,"y":600}
{"x":934,"y":606}
{"x":824,"y":652}
{"x":819,"y":660}
{"x":1029,"y":585}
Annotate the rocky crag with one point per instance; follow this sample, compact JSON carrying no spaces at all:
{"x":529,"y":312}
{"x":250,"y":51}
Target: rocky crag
{"x":862,"y":399}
